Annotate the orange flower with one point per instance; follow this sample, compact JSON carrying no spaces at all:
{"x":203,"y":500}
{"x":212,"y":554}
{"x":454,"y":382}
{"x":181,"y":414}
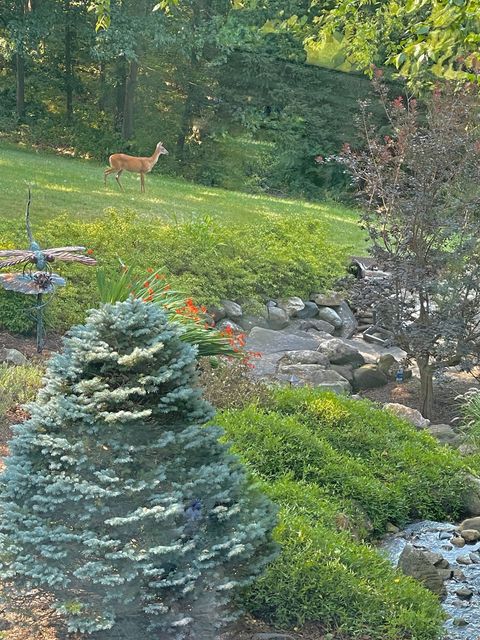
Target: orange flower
{"x":167,"y":287}
{"x":89,"y":251}
{"x":150,"y":290}
{"x":149,"y":270}
{"x":146,"y":284}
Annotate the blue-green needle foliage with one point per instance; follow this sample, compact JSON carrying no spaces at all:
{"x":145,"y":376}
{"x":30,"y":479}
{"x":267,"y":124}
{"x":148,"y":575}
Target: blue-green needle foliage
{"x":118,"y":500}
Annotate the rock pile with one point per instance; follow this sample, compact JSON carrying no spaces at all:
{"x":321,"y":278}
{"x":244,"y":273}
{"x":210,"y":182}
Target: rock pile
{"x":331,"y":309}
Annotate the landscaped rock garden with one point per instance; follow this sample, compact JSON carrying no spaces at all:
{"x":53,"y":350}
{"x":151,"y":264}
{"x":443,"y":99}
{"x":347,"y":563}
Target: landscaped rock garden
{"x":311,"y":342}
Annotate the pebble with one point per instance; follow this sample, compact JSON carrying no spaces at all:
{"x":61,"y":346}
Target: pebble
{"x":458,"y":541}
{"x":470,"y":535}
{"x":460,"y":622}
{"x":464,"y":593}
{"x":464,"y":560}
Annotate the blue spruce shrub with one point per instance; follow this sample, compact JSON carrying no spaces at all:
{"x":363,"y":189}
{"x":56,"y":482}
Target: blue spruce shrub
{"x":117,"y":500}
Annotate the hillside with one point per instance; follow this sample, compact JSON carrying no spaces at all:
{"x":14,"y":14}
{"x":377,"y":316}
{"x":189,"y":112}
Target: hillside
{"x":73,"y":186}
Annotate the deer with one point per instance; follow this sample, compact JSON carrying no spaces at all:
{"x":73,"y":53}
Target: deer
{"x":120,"y":162}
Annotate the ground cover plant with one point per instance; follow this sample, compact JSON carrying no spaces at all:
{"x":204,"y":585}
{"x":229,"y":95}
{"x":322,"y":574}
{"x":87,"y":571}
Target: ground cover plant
{"x":126,"y":490}
{"x":209,"y":258}
{"x":342,"y":471}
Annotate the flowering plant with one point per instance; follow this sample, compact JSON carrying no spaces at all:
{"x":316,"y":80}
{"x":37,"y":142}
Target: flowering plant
{"x":155,"y":289}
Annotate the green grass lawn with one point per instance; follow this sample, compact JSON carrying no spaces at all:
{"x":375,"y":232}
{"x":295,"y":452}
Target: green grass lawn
{"x":76,"y":186}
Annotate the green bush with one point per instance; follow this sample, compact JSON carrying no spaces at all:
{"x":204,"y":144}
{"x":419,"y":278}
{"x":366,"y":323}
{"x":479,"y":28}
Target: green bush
{"x":205,"y":258}
{"x":322,"y":575}
{"x":341,"y":469}
{"x":357,"y":452}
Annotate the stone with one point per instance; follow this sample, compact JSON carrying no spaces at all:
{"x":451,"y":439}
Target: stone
{"x":232,"y":309}
{"x":475,"y":558}
{"x":368,"y":376}
{"x":471,"y":523}
{"x":326,"y":299}
{"x":407,"y":413}
{"x":266,"y":365}
{"x":310,"y":310}
{"x":315,"y":375}
{"x":470,"y":535}
{"x":444,"y":535}
{"x":415,"y":563}
{"x":387,"y":363}
{"x":291,"y":305}
{"x":444,"y":434}
{"x":350,"y":324}
{"x":466,"y":560}
{"x":458,"y":541}
{"x":269,"y":341}
{"x":277,"y":318}
{"x":458,"y":574}
{"x":12,"y":356}
{"x":345,"y":370}
{"x":471,"y":504}
{"x":316,"y":325}
{"x":464,"y":593}
{"x":305,"y":357}
{"x":227,"y":325}
{"x":248,"y":322}
{"x":217,"y":313}
{"x":391,"y":528}
{"x":331,"y":316}
{"x":338,"y":352}
{"x":460,"y":622}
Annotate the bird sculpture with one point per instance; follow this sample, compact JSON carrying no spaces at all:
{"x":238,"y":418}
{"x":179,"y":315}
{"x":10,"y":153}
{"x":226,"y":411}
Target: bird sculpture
{"x":37,"y":277}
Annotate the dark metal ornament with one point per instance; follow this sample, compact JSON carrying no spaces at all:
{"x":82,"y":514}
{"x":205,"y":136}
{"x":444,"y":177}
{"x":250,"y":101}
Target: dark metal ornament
{"x":41,"y":280}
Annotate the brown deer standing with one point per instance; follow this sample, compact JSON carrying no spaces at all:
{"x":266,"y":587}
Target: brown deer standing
{"x":121,"y":162}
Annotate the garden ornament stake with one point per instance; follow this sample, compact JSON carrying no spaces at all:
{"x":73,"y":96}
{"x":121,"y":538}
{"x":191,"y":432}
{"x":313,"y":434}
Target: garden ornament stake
{"x":37,"y":278}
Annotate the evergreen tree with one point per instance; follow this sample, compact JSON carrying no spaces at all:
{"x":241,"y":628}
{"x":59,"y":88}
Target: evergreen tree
{"x":117,"y":500}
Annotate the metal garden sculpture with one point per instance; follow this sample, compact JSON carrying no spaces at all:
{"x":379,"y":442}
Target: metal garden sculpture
{"x":37,"y":277}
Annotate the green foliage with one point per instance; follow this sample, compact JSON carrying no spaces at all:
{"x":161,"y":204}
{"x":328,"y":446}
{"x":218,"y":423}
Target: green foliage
{"x":18,"y":385}
{"x":341,"y":469}
{"x":323,"y":575}
{"x":209,"y":259}
{"x":355,"y":452}
{"x":422,"y":39}
{"x":118,"y":500}
{"x":17,"y":313}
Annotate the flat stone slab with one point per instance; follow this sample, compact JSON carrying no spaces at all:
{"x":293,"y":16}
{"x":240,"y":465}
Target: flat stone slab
{"x":270,"y":341}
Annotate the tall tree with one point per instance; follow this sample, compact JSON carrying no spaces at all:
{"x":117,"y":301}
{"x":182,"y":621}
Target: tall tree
{"x":419,"y":189}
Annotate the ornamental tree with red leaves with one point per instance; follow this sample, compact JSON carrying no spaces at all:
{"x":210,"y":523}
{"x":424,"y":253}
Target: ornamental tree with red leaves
{"x":419,"y":186}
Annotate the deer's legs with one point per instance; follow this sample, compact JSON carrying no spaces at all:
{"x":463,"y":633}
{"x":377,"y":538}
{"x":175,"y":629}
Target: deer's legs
{"x":117,"y":178}
{"x":106,"y":173}
{"x":142,"y":182}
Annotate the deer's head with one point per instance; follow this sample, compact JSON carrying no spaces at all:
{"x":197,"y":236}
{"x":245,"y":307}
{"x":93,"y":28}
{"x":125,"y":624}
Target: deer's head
{"x":161,"y":149}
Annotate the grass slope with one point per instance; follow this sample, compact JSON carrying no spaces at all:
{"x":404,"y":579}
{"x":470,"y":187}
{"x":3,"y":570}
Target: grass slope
{"x":76,"y":187}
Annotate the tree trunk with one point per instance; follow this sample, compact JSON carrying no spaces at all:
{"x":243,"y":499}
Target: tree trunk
{"x":121,"y":79}
{"x":426,"y":387}
{"x":102,"y":98}
{"x":129,"y":106}
{"x":20,"y":79}
{"x":69,"y":80}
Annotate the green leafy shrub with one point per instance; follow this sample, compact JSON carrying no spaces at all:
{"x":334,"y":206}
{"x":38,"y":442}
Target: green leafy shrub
{"x":322,"y":575}
{"x":205,"y":258}
{"x":341,"y":469}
